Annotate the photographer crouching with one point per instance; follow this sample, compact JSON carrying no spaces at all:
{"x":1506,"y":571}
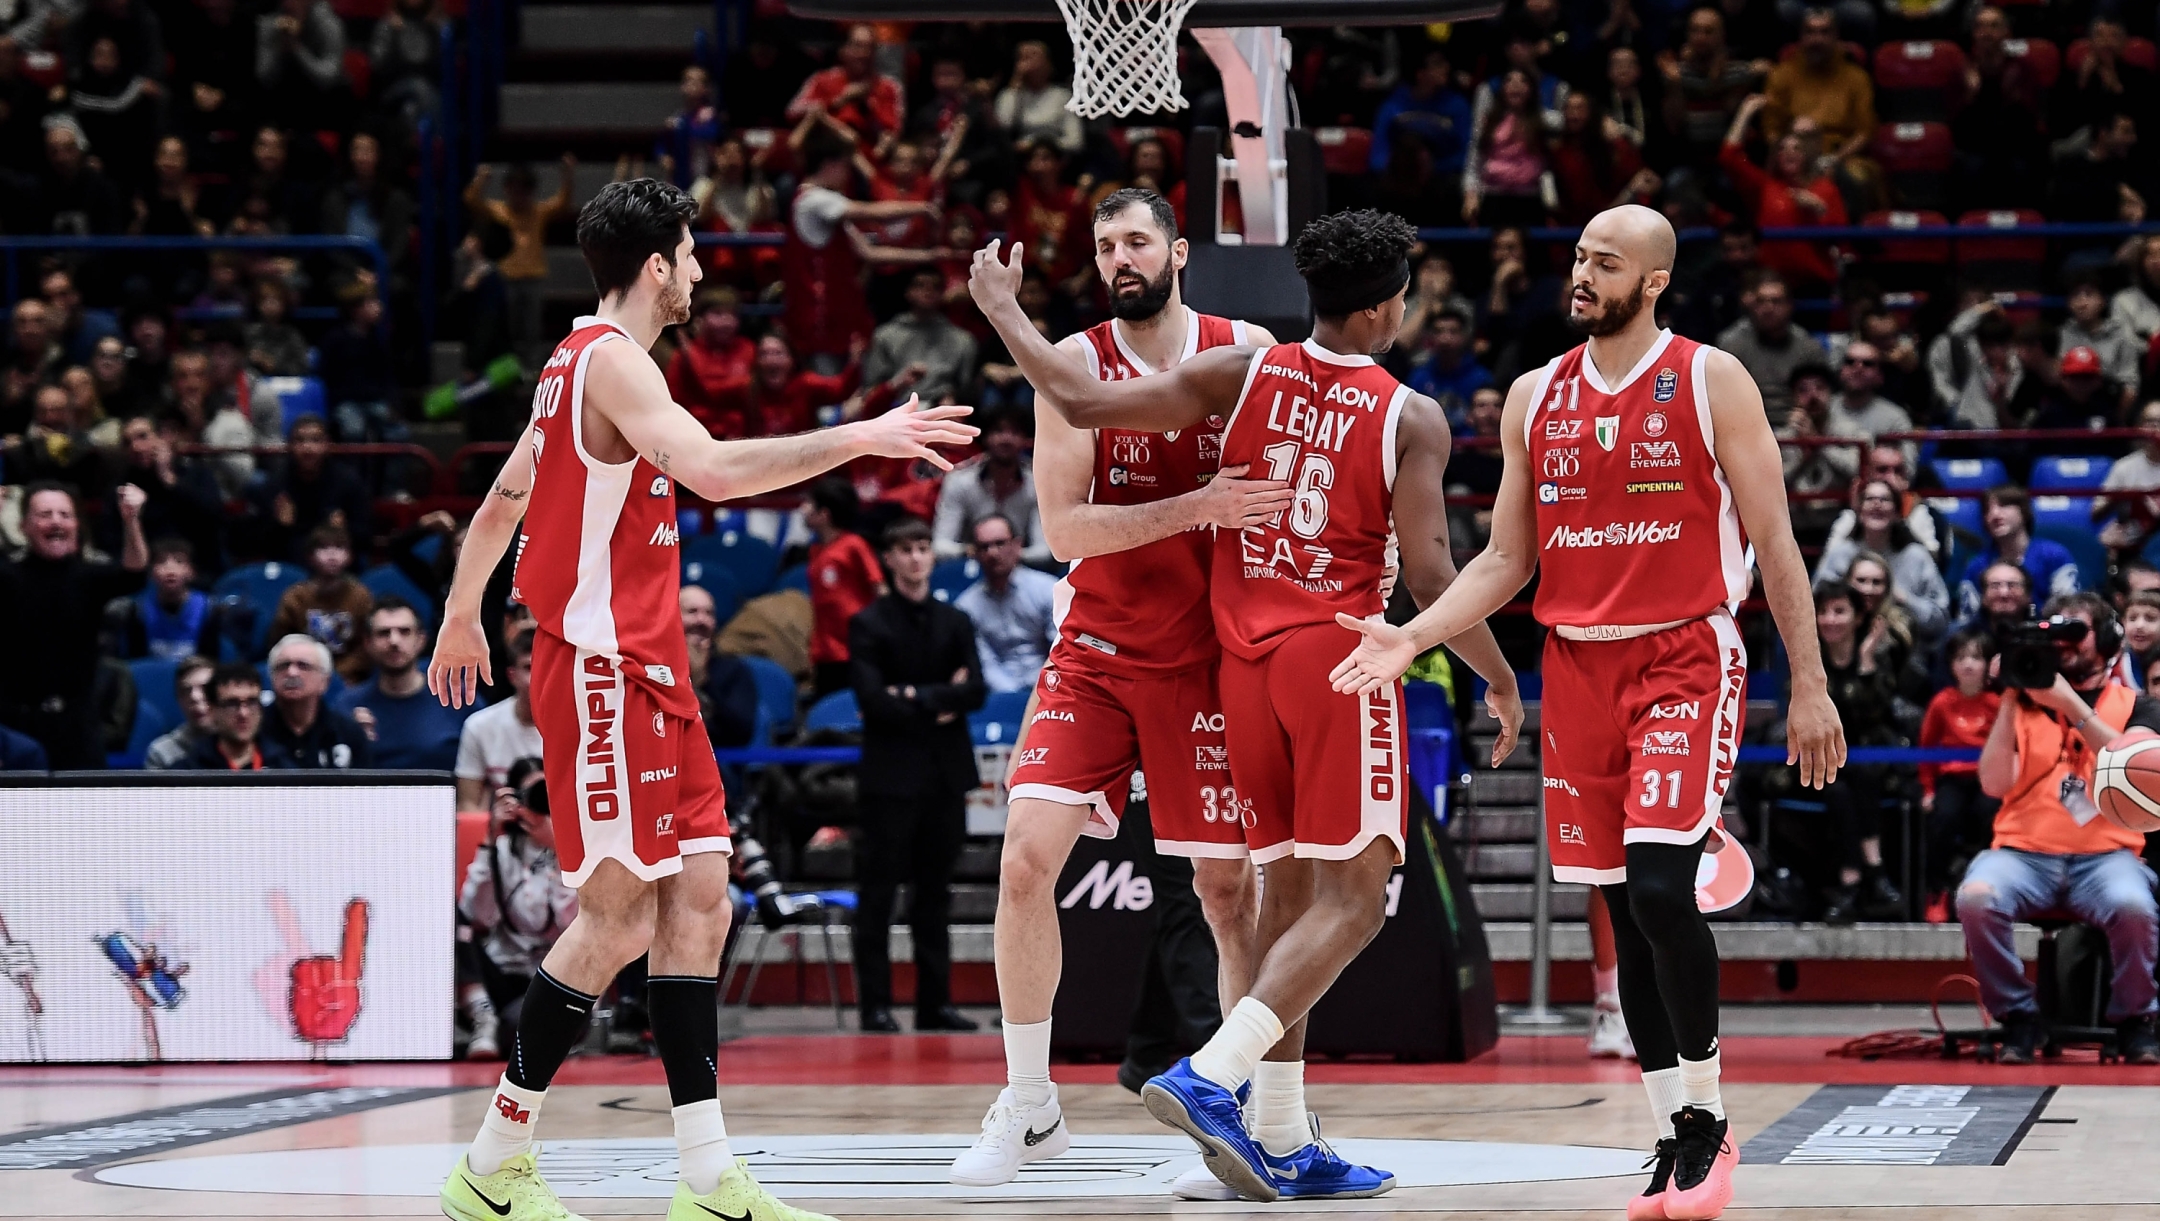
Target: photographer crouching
{"x":2052,"y":851}
{"x":515,"y":905}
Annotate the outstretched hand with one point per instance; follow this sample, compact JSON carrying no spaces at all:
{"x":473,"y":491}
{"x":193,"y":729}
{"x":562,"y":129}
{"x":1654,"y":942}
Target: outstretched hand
{"x":909,"y":431}
{"x":995,"y":282}
{"x":1383,"y":653}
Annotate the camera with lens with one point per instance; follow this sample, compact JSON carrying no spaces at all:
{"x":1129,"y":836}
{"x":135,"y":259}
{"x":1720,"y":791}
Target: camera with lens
{"x":774,"y":905}
{"x":2030,"y":657}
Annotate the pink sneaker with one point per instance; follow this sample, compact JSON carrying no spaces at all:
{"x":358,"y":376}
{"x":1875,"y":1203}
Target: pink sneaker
{"x":1650,"y":1205}
{"x":1702,"y":1171}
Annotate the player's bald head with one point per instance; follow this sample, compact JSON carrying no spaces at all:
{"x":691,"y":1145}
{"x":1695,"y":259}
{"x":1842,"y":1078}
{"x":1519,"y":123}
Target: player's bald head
{"x":1641,"y":235}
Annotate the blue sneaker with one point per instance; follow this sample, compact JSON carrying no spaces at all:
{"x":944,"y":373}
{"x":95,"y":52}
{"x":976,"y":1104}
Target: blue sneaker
{"x":1317,"y":1172}
{"x":1210,"y":1114}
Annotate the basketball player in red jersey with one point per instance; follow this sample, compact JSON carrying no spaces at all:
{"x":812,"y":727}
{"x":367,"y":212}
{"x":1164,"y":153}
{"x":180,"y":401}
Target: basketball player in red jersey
{"x":1320,"y":776}
{"x":1131,"y":680}
{"x":1637,"y":467}
{"x":640,"y":819}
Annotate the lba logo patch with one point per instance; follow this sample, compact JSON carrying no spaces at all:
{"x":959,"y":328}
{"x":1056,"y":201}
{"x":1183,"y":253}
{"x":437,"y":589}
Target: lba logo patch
{"x":1668,"y":384}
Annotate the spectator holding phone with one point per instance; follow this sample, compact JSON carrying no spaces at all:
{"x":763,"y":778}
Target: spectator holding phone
{"x":516,"y":906}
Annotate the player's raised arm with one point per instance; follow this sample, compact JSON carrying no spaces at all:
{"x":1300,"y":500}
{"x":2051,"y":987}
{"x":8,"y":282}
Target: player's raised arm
{"x":1428,"y":562}
{"x":1485,"y":584}
{"x":1182,"y":397}
{"x":1076,"y":528}
{"x":1747,"y":451}
{"x":633,"y":394}
{"x":461,"y":647}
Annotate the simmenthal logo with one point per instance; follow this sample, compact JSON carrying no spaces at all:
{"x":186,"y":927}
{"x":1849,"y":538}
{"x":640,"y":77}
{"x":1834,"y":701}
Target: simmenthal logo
{"x":1658,"y":485}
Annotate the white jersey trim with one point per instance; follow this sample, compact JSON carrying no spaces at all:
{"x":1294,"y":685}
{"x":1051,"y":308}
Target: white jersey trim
{"x":1388,"y":430}
{"x":589,"y":614}
{"x":1732,"y":555}
{"x":1326,"y":356}
{"x":1537,"y":401}
{"x":1597,"y":379}
{"x":1240,"y":334}
{"x":1252,"y":372}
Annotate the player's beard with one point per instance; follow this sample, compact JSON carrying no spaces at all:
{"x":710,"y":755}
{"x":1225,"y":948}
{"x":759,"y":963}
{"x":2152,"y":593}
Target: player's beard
{"x":672,"y":308}
{"x":1615,"y":319}
{"x":1149,"y":301}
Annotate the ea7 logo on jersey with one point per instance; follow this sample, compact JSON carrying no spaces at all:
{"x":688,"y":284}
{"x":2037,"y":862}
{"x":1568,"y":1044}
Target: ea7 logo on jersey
{"x":1685,"y":710}
{"x":1032,"y":756}
{"x":1653,"y":455}
{"x":1563,"y":430}
{"x":1665,"y":742}
{"x":1351,"y":396}
{"x":665,"y":535}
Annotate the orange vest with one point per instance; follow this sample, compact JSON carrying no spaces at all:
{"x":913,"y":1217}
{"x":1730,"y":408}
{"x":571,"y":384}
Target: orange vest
{"x":2032,"y":818}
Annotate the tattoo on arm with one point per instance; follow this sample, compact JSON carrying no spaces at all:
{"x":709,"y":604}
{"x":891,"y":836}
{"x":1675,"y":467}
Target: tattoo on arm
{"x":661,"y":459}
{"x":511,"y":493}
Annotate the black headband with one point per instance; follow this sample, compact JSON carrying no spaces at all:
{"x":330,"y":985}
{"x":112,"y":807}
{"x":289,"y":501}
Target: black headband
{"x":1360,"y":294}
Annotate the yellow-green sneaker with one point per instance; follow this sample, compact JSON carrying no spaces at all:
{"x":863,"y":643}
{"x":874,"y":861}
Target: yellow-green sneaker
{"x":737,"y":1198}
{"x":514,"y":1193}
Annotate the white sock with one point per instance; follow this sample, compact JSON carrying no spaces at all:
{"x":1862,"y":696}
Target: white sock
{"x":1663,"y":1086}
{"x":507,"y":1129}
{"x":1606,"y":981}
{"x":702,"y":1145}
{"x":1247,"y":1033}
{"x":1281,"y":1122}
{"x":1699,"y":1084}
{"x":1027,"y":1061}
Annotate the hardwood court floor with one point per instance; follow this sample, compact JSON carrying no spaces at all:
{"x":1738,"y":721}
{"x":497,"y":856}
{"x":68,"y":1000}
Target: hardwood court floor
{"x":862,"y":1127}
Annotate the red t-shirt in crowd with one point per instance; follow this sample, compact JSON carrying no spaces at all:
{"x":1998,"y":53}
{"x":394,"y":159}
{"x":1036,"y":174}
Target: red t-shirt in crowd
{"x":872,"y":114}
{"x":1955,"y":719}
{"x":1053,"y":226}
{"x":792,"y":408}
{"x":1774,"y":208}
{"x":707,"y":381}
{"x":844,"y":578}
{"x":911,"y":232}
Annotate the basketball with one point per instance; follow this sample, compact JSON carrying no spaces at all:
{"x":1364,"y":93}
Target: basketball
{"x":2126,"y":783}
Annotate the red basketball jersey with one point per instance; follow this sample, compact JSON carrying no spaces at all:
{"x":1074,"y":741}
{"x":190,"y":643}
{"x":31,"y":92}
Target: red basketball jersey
{"x":1635,"y":520}
{"x":1325,"y":423}
{"x":598,"y":560}
{"x":1146,"y":610}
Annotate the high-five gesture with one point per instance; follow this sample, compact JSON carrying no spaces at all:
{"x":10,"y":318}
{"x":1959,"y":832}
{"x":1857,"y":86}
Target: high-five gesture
{"x":995,"y":282}
{"x":909,"y":431}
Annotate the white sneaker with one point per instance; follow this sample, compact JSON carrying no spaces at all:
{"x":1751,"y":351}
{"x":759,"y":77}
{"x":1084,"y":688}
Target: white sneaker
{"x":1197,"y":1184}
{"x":1012,"y":1136}
{"x":486,"y":1036}
{"x":1609,"y":1038}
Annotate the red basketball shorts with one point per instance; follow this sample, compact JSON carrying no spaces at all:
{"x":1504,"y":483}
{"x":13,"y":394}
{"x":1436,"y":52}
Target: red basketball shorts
{"x":1092,"y":728}
{"x":626,"y":779}
{"x":1321,"y":773}
{"x":1640,"y":740}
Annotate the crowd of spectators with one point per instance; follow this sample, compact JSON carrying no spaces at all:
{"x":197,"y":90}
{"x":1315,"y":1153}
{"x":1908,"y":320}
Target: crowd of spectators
{"x":146,"y":449}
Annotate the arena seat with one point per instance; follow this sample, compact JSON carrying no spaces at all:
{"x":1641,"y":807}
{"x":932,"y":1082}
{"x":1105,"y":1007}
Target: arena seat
{"x":797,"y":578}
{"x":1963,"y":513}
{"x":998,"y":720}
{"x":2063,"y":512}
{"x":149,"y":725}
{"x":713,"y":579}
{"x":388,"y":580}
{"x":749,"y":562}
{"x":2042,"y":56}
{"x":154,"y":686}
{"x":297,"y":398}
{"x":2002,"y":262}
{"x":952,"y":577}
{"x":1916,"y":159}
{"x":1344,"y":150}
{"x":1909,"y":261}
{"x":776,"y":695}
{"x":836,"y":711}
{"x":2137,"y":52}
{"x":2070,"y":473}
{"x":1918,"y":80}
{"x":1977,"y":474}
{"x":259,"y":587}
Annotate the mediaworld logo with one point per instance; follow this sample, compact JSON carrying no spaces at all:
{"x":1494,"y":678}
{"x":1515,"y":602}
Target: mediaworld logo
{"x":1617,"y":534}
{"x":1121,"y":888}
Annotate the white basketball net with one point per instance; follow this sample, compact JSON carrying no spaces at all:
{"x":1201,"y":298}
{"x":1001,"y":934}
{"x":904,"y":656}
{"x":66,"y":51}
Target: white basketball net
{"x":1124,"y":55}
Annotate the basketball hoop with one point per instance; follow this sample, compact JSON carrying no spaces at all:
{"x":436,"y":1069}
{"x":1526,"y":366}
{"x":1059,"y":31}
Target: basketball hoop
{"x":1124,"y":55}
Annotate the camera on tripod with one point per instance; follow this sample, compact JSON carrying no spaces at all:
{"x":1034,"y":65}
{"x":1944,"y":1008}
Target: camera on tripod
{"x":2030,"y":655}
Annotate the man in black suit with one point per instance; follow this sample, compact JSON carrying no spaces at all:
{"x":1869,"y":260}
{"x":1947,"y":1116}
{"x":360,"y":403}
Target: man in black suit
{"x":916,"y":677}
